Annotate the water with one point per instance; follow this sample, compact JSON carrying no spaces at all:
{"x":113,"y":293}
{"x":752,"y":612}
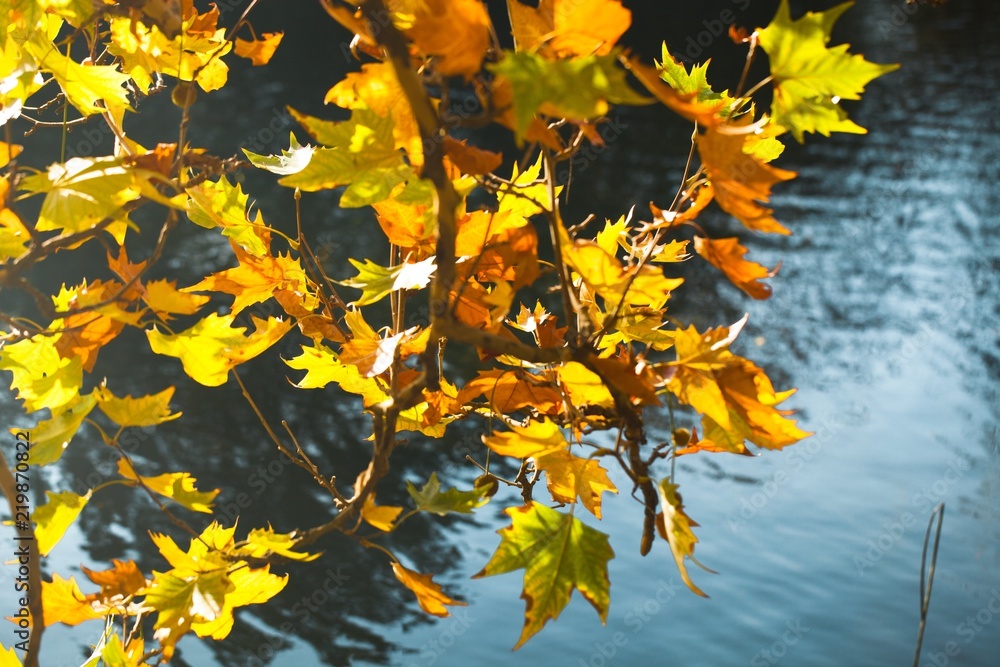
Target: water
{"x":885,"y":314}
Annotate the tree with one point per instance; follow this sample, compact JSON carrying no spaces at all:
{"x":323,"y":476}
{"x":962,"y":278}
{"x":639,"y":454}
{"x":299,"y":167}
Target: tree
{"x":551,"y":379}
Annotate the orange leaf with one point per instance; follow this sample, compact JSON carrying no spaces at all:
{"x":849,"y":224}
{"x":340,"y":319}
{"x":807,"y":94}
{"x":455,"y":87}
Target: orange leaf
{"x":469,"y":159}
{"x":372,"y":356}
{"x":64,"y":602}
{"x":457,"y":31}
{"x":123,"y":579}
{"x":511,"y":390}
{"x":727,"y":256}
{"x":622,"y":374}
{"x":569,"y":27}
{"x":688,"y":106}
{"x":259,"y":51}
{"x":569,"y":477}
{"x":741,"y":181}
{"x":430,"y":597}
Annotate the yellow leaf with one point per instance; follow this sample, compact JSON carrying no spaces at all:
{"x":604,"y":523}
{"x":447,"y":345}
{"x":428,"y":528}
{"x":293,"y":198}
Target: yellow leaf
{"x":54,"y":517}
{"x":64,"y":602}
{"x":7,"y":153}
{"x":249,"y":586}
{"x":509,"y":391}
{"x":42,"y":378}
{"x":146,"y":411}
{"x":178,"y":486}
{"x":727,"y":256}
{"x":123,"y":579}
{"x":165,"y":299}
{"x":84,"y":85}
{"x":50,"y":438}
{"x":457,"y":31}
{"x":259,"y":51}
{"x":569,"y":27}
{"x":221,"y":204}
{"x":8,"y":658}
{"x":536,"y":439}
{"x":584,"y":386}
{"x":569,"y":477}
{"x":430,"y":597}
{"x":261,"y":542}
{"x":379,"y":516}
{"x":371,"y":356}
{"x":210,"y":348}
{"x":675,"y":527}
{"x":255,"y":280}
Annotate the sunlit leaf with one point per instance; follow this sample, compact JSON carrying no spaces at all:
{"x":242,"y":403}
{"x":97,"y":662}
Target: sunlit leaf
{"x":675,"y":527}
{"x":64,"y":602}
{"x":380,"y":516}
{"x":432,"y":499}
{"x":178,"y":486}
{"x":429,"y":594}
{"x":259,"y":51}
{"x":535,"y":439}
{"x":54,"y":517}
{"x":145,"y":411}
{"x":569,"y":477}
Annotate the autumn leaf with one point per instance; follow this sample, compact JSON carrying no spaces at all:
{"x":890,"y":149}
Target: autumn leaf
{"x":54,"y":517}
{"x":123,"y":579}
{"x":727,"y":256}
{"x":703,"y":110}
{"x":380,"y":516}
{"x":469,"y":159}
{"x":178,"y":486}
{"x":50,"y":437}
{"x":811,"y":79}
{"x":508,"y":391}
{"x":64,"y":602}
{"x":535,"y":439}
{"x":569,"y":477}
{"x":568,"y":27}
{"x":212,"y":347}
{"x":377,"y":282}
{"x":221,"y":204}
{"x":742,"y":182}
{"x":262,"y":542}
{"x":371,"y":356}
{"x":8,"y":658}
{"x":259,"y":51}
{"x":83,"y":85}
{"x":41,"y":376}
{"x":456,"y":31}
{"x":430,"y":597}
{"x":675,"y":527}
{"x":432,"y":499}
{"x":558,"y":553}
{"x":146,"y":411}
{"x":291,"y":161}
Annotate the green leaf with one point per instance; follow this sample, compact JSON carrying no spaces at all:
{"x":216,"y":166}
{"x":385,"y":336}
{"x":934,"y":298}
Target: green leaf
{"x":578,"y":88}
{"x":811,"y":79}
{"x":289,"y":162}
{"x":377,"y":282}
{"x":54,"y":517}
{"x":558,"y":553}
{"x":360,"y":153}
{"x":431,"y":499}
{"x":684,"y":82}
{"x":51,"y":437}
{"x":199,"y":597}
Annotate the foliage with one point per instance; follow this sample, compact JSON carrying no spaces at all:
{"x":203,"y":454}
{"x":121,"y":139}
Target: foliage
{"x":552,"y":377}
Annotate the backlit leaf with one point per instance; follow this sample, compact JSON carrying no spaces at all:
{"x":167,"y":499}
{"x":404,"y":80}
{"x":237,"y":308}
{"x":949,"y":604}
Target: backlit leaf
{"x":64,"y":602}
{"x":50,"y":437}
{"x":429,"y":594}
{"x":569,"y":477}
{"x":432,"y":499}
{"x":675,"y":527}
{"x":568,"y":27}
{"x":535,"y":439}
{"x":178,"y":486}
{"x":727,"y":256}
{"x":380,"y":516}
{"x":259,"y":51}
{"x":145,"y":411}
{"x":54,"y":517}
{"x":377,"y":282}
{"x":123,"y":579}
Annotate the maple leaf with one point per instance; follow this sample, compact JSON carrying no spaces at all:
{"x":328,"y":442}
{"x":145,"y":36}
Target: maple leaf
{"x":583,"y":386}
{"x":558,"y":553}
{"x":727,"y":256}
{"x":259,"y":51}
{"x":508,"y":391}
{"x":432,"y":499}
{"x":123,"y":579}
{"x":51,"y":437}
{"x":810,"y":79}
{"x":211,"y":348}
{"x":741,"y":181}
{"x":430,"y":597}
{"x":380,"y":516}
{"x":163,"y":297}
{"x":536,"y":439}
{"x":377,"y":282}
{"x":41,"y":376}
{"x":291,"y":161}
{"x":706,"y":111}
{"x":582,"y":88}
{"x":256,"y":278}
{"x":675,"y":527}
{"x":178,"y":486}
{"x":568,"y":27}
{"x":83,"y":85}
{"x":569,"y":477}
{"x":64,"y":602}
{"x":457,"y":31}
{"x":371,"y":356}
{"x":54,"y":517}
{"x":220,"y":204}
{"x":261,"y":542}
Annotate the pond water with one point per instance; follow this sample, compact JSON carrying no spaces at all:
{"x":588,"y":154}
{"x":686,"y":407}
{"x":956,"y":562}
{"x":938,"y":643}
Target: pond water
{"x":885,"y":315}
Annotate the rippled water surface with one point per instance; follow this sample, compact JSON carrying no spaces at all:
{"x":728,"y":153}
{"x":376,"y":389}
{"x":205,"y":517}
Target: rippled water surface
{"x":885,"y":315}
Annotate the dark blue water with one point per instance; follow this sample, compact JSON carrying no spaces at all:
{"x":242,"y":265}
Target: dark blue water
{"x":886,"y":315}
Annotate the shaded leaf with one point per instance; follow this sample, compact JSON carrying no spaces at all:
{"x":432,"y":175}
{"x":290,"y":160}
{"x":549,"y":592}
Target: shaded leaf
{"x":675,"y":527}
{"x":430,"y":498}
{"x":429,"y":594}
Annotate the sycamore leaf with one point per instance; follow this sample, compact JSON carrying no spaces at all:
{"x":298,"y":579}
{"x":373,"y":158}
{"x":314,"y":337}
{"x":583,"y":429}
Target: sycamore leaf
{"x":256,"y":279}
{"x":569,"y":477}
{"x":166,"y":300}
{"x":291,"y":161}
{"x":250,"y":586}
{"x":42,"y":378}
{"x":469,"y":159}
{"x":380,"y":516}
{"x":114,"y":654}
{"x":810,"y":79}
{"x":84,"y":85}
{"x":8,"y":658}
{"x":123,"y":579}
{"x":535,"y":439}
{"x":371,"y":356}
{"x":568,"y":27}
{"x":211,"y":348}
{"x":220,"y":204}
{"x":261,"y":542}
{"x":432,"y":499}
{"x":675,"y":527}
{"x":54,"y":517}
{"x":178,"y":486}
{"x":741,"y":181}
{"x":508,"y":391}
{"x":705,"y":111}
{"x":583,"y":386}
{"x":558,"y":553}
{"x":360,"y":153}
{"x":688,"y":82}
{"x":456,"y":31}
{"x":146,"y":411}
{"x":259,"y":51}
{"x":64,"y":602}
{"x":82,"y":192}
{"x":727,"y":256}
{"x":323,"y":366}
{"x":429,"y":594}
{"x":181,"y":601}
{"x":50,"y":438}
{"x":582,"y":88}
{"x":377,"y":282}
